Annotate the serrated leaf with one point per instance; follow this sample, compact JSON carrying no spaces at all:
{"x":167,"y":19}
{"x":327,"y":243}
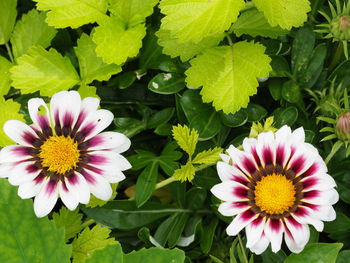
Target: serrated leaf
{"x":89,"y":241}
{"x":185,"y":173}
{"x":132,"y":12}
{"x":8,"y":13}
{"x":253,"y":23}
{"x":44,"y":71}
{"x":72,"y":13}
{"x":70,"y":221}
{"x":31,"y":30}
{"x":115,"y":43}
{"x":187,"y":139}
{"x":88,"y":91}
{"x":110,"y":254}
{"x":24,"y":237}
{"x":193,"y":20}
{"x":284,"y":13}
{"x":228,"y":74}
{"x":5,"y":80}
{"x":186,"y":50}
{"x":9,"y":111}
{"x":208,"y":157}
{"x":94,"y":201}
{"x":92,"y":67}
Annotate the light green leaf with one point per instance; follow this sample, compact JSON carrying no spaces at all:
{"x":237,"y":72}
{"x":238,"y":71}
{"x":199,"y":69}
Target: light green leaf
{"x":89,"y":241}
{"x":24,"y":237}
{"x":284,"y":13}
{"x":185,"y":173}
{"x":94,"y":201}
{"x":43,"y":70}
{"x":115,"y":43}
{"x":132,"y":12}
{"x":110,"y":254}
{"x":88,"y":91}
{"x":71,"y":221}
{"x":72,"y":13}
{"x":253,"y":23}
{"x":193,"y":20}
{"x":186,"y":138}
{"x":92,"y":67}
{"x":228,"y":74}
{"x":8,"y":13}
{"x":186,"y":50}
{"x":208,"y":157}
{"x":31,"y":30}
{"x":9,"y":111}
{"x":155,"y":255}
{"x":316,"y":252}
{"x":5,"y":80}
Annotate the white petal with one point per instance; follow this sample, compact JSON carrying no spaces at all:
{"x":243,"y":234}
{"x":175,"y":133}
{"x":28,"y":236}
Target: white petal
{"x":109,"y":158}
{"x":5,"y":169}
{"x":232,"y":208}
{"x":308,"y":217}
{"x":99,"y":186}
{"x":249,"y":144}
{"x":65,"y":103}
{"x":22,"y":173}
{"x":78,"y":185}
{"x":225,"y":157}
{"x":90,"y":104}
{"x":243,"y":160}
{"x":297,"y":235}
{"x":19,"y":132}
{"x":324,"y":213}
{"x":240,"y":222}
{"x":318,"y":182}
{"x":254,"y":231}
{"x":326,"y":197}
{"x":274,"y":232}
{"x":298,"y":136}
{"x":14,"y":153}
{"x":69,"y":198}
{"x":40,"y":119}
{"x":261,"y":245}
{"x":95,"y":122}
{"x":265,"y":148}
{"x":228,"y":172}
{"x":226,"y":191}
{"x":29,"y":189}
{"x":115,"y":141}
{"x":46,"y":199}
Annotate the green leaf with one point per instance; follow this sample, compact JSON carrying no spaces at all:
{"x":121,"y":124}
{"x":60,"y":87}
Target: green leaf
{"x":284,"y":13}
{"x":287,"y":116}
{"x":207,"y":235}
{"x":228,"y":74}
{"x":89,"y":241}
{"x":234,"y":120}
{"x":185,"y":138}
{"x":132,"y":12}
{"x":110,"y":254}
{"x":185,"y":50}
{"x":253,"y":23}
{"x":316,"y":252}
{"x":92,"y":67}
{"x":125,"y":215}
{"x":24,"y":237}
{"x":185,"y":173}
{"x":44,"y":71}
{"x":9,"y":111}
{"x":167,"y":83}
{"x":94,"y":201}
{"x":115,"y":43}
{"x":8,"y":13}
{"x":71,"y":221}
{"x":155,"y":255}
{"x":208,"y":157}
{"x":193,"y":20}
{"x":146,"y":183}
{"x":5,"y":80}
{"x":343,"y":256}
{"x":31,"y":30}
{"x":88,"y":91}
{"x":72,"y":13}
{"x":207,"y":123}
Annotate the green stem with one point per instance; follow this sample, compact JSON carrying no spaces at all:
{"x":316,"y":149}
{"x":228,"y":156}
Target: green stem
{"x":88,"y":223}
{"x":333,"y":151}
{"x":165,"y":182}
{"x":9,"y":52}
{"x":229,"y":39}
{"x":242,"y":249}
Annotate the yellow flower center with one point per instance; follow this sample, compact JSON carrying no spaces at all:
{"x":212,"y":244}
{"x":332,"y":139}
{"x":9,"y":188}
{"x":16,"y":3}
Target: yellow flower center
{"x":274,"y":194}
{"x":59,"y":154}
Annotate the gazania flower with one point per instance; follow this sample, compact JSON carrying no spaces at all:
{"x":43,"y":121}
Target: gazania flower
{"x":275,"y":187}
{"x":63,"y":152}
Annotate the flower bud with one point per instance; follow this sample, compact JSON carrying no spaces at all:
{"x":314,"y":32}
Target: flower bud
{"x":340,"y":27}
{"x":343,"y":126}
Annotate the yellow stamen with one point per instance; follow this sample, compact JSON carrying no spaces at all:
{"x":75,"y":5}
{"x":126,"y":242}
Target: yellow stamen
{"x":59,"y":154}
{"x":274,"y":194}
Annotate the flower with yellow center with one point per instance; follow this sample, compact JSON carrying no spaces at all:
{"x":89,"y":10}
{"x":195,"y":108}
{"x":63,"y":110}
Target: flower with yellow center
{"x":275,"y":187}
{"x":64,"y":153}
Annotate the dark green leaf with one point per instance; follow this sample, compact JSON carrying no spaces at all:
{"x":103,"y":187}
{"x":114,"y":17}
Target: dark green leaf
{"x":207,"y":124}
{"x":280,"y":67}
{"x":234,"y":120}
{"x":160,"y":117}
{"x":291,"y":91}
{"x":340,"y":224}
{"x":255,"y":112}
{"x":207,"y":235}
{"x":271,"y":257}
{"x":167,"y":83}
{"x":287,"y":116}
{"x":145,"y":183}
{"x":195,"y":198}
{"x":343,"y":256}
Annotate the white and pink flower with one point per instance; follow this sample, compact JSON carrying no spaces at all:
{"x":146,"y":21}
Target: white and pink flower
{"x":275,"y":187}
{"x":64,"y":153}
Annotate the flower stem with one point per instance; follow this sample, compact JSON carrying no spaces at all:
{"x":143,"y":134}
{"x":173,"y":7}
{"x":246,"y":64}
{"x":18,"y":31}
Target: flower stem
{"x":87,"y":223}
{"x":242,"y":249}
{"x":9,"y":52}
{"x":165,"y":182}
